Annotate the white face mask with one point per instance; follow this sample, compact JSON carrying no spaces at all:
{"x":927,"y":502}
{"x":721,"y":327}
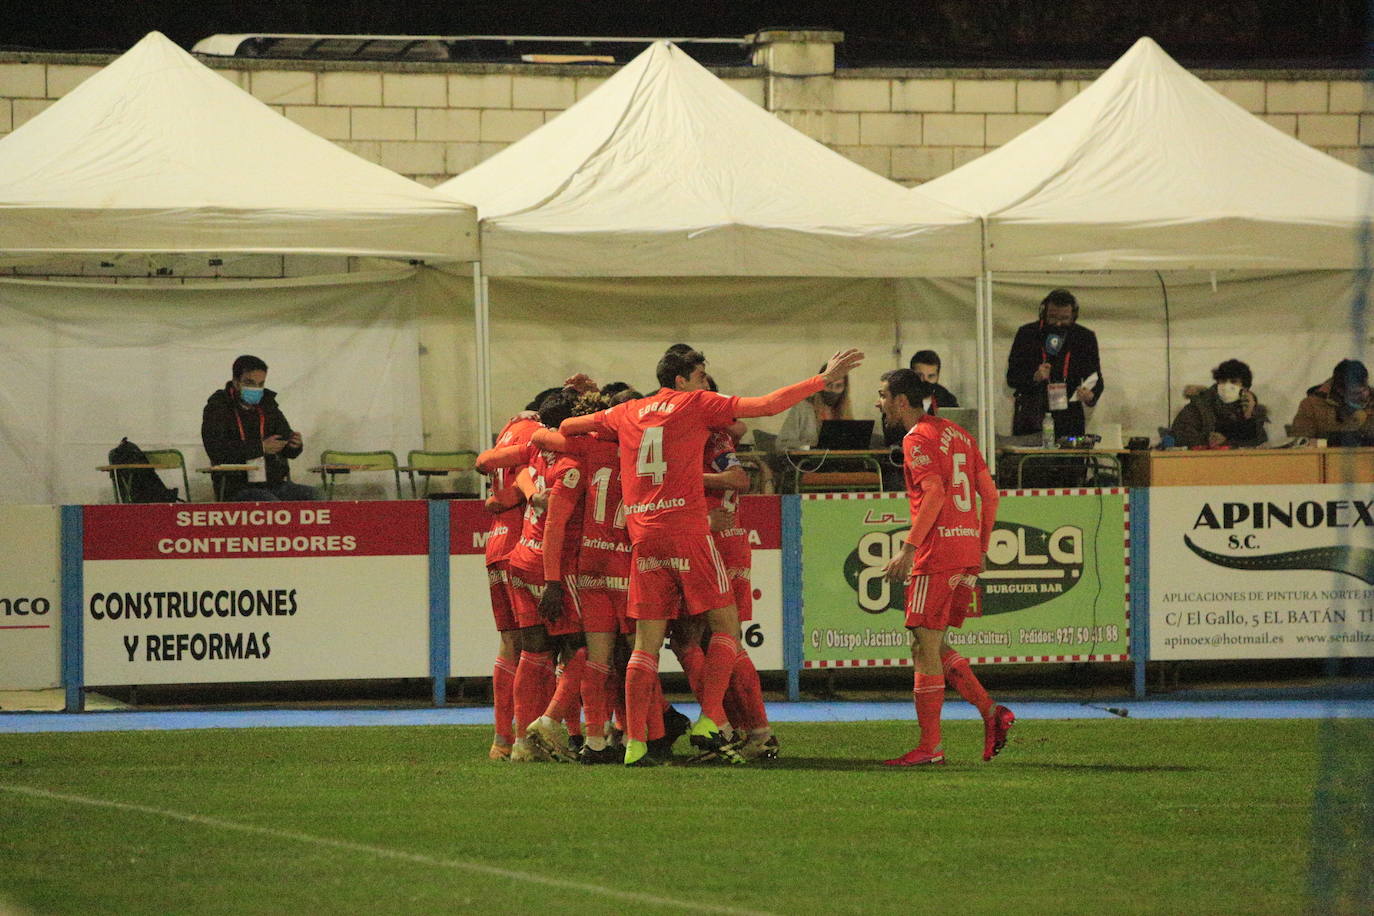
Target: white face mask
{"x":1229,"y":392}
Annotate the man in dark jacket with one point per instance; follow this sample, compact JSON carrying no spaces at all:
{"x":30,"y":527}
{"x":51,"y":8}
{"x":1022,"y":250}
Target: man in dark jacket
{"x":1053,"y":365}
{"x":241,"y":424}
{"x":1225,"y":414}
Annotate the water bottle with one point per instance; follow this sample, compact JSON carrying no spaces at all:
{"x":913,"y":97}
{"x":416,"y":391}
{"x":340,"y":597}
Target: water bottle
{"x":1047,"y":431}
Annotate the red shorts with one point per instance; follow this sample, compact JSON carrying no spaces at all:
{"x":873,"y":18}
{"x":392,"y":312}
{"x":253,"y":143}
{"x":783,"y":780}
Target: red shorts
{"x":733,"y":544}
{"x":498,"y":580}
{"x":603,"y":602}
{"x":941,"y":598}
{"x":671,"y":572}
{"x":525,"y":595}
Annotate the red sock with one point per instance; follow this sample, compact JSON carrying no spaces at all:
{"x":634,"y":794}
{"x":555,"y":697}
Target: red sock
{"x":734,"y":710}
{"x":747,"y":693}
{"x":594,"y":678}
{"x":657,"y":706}
{"x":929,"y":694}
{"x":640,"y":677}
{"x":960,"y":676}
{"x":503,"y":698}
{"x":720,"y":664}
{"x":693,"y":662}
{"x":533,"y":677}
{"x":615,"y":696}
{"x":568,"y":693}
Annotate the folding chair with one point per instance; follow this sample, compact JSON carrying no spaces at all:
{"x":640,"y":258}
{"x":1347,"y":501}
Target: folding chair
{"x":164,"y":459}
{"x":334,"y":462}
{"x":430,"y":465}
{"x":170,"y":459}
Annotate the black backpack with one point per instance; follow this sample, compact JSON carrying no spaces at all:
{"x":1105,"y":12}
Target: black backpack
{"x":141,"y":484}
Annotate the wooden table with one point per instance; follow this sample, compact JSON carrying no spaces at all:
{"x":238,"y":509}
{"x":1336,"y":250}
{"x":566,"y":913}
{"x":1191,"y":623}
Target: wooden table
{"x":1098,"y":467}
{"x":1218,"y":467}
{"x":806,"y":469}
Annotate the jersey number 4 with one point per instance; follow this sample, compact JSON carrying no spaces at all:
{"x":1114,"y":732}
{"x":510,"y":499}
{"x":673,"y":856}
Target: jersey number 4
{"x":649,"y":463}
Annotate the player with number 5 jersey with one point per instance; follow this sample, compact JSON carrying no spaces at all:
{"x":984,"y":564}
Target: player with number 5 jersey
{"x":953,"y":509}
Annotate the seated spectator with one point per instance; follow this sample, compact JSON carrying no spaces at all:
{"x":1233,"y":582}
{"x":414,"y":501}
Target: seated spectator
{"x":802,"y":426}
{"x":242,"y":424}
{"x":926,"y":364}
{"x":1340,"y":409}
{"x":1225,"y":414}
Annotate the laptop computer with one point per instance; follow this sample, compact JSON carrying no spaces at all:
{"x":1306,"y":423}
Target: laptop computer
{"x":845,"y":434}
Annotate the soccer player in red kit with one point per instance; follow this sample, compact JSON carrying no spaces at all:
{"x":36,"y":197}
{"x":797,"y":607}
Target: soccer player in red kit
{"x":942,"y":555}
{"x":599,"y":580}
{"x":506,"y":505}
{"x":534,"y":684}
{"x":674,"y":561}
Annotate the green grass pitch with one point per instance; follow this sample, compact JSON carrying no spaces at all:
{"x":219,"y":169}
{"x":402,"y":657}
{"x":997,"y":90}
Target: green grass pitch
{"x":1119,"y":816}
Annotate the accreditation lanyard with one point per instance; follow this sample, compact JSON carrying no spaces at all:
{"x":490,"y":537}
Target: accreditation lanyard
{"x":1068,"y":355}
{"x":262,"y":424}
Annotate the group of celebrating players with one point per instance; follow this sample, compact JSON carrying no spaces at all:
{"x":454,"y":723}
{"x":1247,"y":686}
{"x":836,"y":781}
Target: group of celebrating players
{"x":614,"y":529}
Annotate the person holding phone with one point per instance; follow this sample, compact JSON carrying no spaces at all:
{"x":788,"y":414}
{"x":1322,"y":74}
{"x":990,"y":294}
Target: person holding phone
{"x":1226,"y":414}
{"x":242,"y":425}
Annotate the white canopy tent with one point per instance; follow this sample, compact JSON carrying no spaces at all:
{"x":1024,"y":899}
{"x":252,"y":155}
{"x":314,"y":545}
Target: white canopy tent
{"x":158,"y":156}
{"x":665,"y":172}
{"x":1150,"y":169}
{"x":158,"y":153}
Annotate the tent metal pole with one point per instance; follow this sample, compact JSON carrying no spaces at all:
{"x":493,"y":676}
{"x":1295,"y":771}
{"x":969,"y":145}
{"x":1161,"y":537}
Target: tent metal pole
{"x":987,"y":418}
{"x":482,"y":341}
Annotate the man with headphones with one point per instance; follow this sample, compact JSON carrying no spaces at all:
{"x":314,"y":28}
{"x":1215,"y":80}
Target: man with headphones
{"x":1053,"y":365}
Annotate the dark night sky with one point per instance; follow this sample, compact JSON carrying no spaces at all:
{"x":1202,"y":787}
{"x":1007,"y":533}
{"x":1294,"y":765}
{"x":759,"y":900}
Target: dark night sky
{"x":912,"y":32}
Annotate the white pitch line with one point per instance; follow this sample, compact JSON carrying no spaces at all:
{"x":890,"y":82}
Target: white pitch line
{"x":383,"y":852}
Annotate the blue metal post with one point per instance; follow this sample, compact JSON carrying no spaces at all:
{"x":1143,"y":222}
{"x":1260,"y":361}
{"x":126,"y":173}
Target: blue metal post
{"x":792,"y":634}
{"x":73,"y":604}
{"x":1140,"y":584}
{"x":439,"y":598}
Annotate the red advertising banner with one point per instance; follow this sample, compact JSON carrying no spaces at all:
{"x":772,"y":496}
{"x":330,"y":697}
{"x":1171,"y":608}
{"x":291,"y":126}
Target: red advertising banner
{"x":256,"y":530}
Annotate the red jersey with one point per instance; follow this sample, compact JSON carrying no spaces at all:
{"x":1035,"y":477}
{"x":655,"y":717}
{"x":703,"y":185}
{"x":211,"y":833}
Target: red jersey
{"x":505,"y":526}
{"x":937,"y":446}
{"x":605,"y":542}
{"x":662,"y":440}
{"x":546,"y":469}
{"x":720,"y":457}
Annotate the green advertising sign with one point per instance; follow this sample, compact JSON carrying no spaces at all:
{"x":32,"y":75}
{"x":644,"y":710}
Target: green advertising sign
{"x":1054,"y":588}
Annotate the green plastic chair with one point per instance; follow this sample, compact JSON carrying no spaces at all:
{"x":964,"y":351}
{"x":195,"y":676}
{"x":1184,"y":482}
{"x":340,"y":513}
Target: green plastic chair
{"x":430,"y":465}
{"x":334,"y":462}
{"x":162,"y":459}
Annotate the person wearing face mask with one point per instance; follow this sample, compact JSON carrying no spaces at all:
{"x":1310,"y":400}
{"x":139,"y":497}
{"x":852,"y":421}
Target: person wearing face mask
{"x":1053,"y":365}
{"x":802,"y":426}
{"x":242,"y":424}
{"x":1340,"y":409}
{"x":1225,"y":414}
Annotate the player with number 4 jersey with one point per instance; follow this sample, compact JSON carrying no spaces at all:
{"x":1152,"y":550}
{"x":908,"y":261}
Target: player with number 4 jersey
{"x":674,"y":560}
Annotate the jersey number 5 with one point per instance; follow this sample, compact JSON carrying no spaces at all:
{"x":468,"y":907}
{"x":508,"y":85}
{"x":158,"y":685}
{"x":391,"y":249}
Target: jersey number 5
{"x":963,"y":494}
{"x":649,"y":463}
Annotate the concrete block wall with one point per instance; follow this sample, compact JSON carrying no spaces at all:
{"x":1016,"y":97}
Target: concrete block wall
{"x":433,"y":121}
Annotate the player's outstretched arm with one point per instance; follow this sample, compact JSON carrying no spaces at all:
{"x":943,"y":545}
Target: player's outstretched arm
{"x":507,"y":456}
{"x":840,"y":365}
{"x":550,"y":439}
{"x":584,"y":425}
{"x":735,"y":478}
